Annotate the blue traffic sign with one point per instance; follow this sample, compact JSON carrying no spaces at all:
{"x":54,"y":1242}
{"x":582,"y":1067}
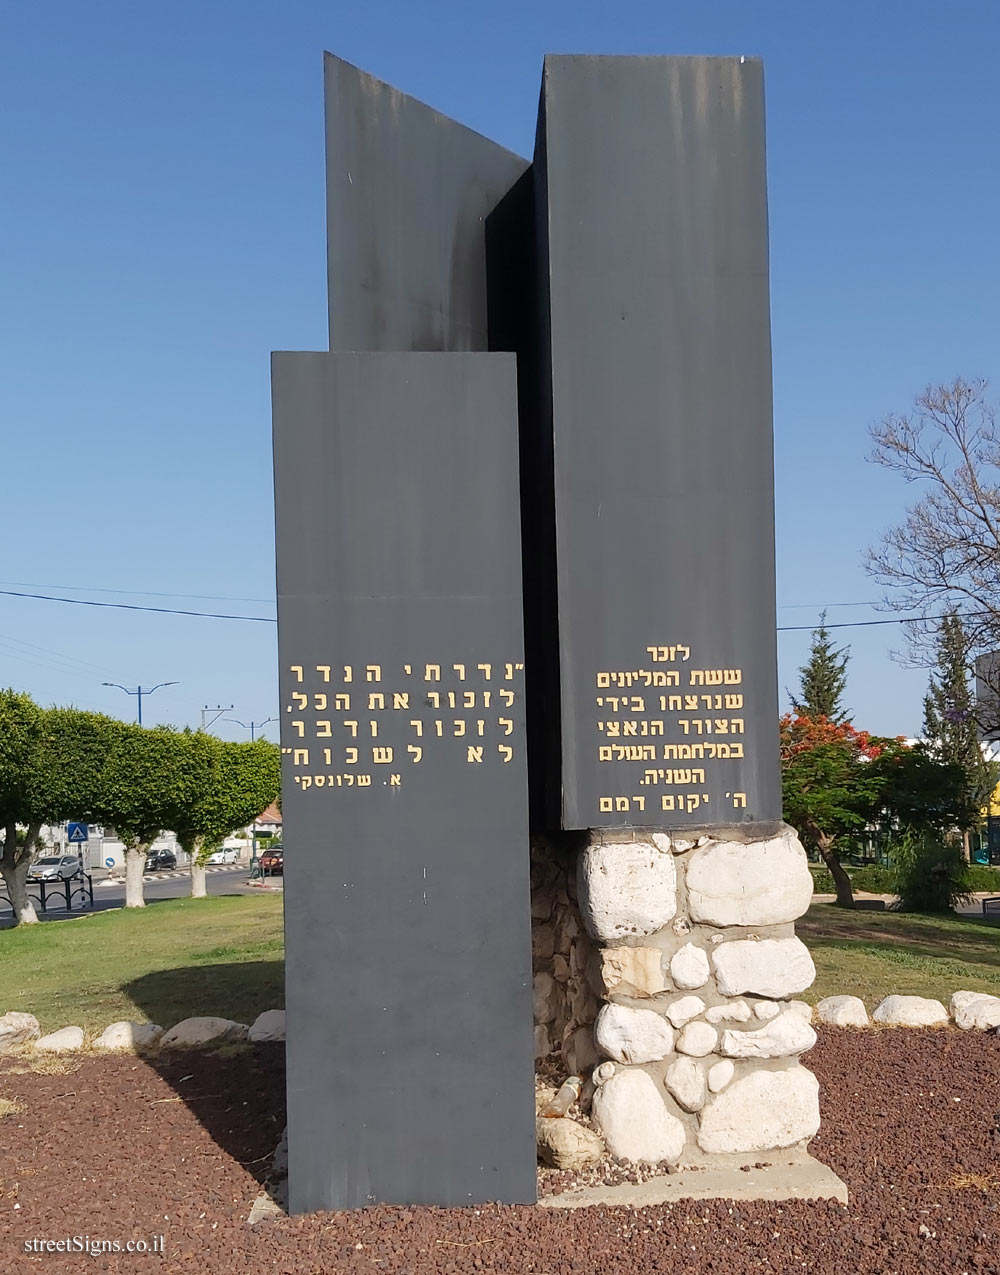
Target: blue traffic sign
{"x":109,"y":863}
{"x":77,"y":832}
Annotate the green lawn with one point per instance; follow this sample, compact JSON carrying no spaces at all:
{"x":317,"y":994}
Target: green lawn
{"x":167,"y":961}
{"x":870,"y":954}
{"x":223,"y":956}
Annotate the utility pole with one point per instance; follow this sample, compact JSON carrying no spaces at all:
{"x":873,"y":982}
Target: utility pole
{"x":219,"y":708}
{"x":251,"y":726}
{"x":139,"y":691}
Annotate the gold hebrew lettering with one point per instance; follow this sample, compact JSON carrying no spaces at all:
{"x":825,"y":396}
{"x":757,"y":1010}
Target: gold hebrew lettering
{"x":401,"y":699}
{"x":460,"y":670}
{"x":382,"y":756}
{"x":713,"y":677}
{"x":474,"y":753}
{"x":374,"y":729}
{"x":300,"y":700}
{"x":733,"y":701}
{"x":300,"y":757}
{"x":697,"y":677}
{"x":395,"y":781}
{"x":364,"y":781}
{"x":352,"y":727}
{"x":297,"y":670}
{"x":468,"y":699}
{"x":505,"y":752}
{"x":732,"y":676}
{"x":739,"y":799}
{"x":508,"y":697}
{"x":604,"y":752}
{"x":348,"y":674}
{"x":300,"y":727}
{"x":459,"y":725}
{"x":375,"y":700}
{"x":640,"y":801}
{"x":324,"y":671}
{"x":432,"y":673}
{"x":373,"y":672}
{"x":603,"y":680}
{"x":606,"y":804}
{"x":486,"y":670}
{"x":350,"y":756}
{"x":342,"y":703}
{"x":667,"y":801}
{"x":324,"y":729}
{"x":304,"y":780}
{"x":434,"y":699}
{"x":621,"y":803}
{"x":417,"y":752}
{"x":418,"y":727}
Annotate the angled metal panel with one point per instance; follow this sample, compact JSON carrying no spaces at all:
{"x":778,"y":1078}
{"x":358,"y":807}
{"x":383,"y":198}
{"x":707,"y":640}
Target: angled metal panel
{"x":407,"y":932}
{"x":408,"y":192}
{"x":655,"y":278}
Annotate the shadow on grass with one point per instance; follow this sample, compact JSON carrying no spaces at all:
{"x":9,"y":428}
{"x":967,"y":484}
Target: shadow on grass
{"x":899,"y":936}
{"x":236,"y":1092}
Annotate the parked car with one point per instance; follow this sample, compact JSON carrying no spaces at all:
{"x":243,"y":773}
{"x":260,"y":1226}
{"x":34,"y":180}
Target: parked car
{"x":225,"y":855}
{"x":160,"y":860}
{"x":57,"y":867}
{"x":273,"y":861}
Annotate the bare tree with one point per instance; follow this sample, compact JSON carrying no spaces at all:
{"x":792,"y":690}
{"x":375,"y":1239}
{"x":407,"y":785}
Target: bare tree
{"x":945,"y":554}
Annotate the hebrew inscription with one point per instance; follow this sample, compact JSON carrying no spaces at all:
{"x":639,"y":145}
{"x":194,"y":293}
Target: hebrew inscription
{"x":676,"y":724}
{"x":362,"y":725}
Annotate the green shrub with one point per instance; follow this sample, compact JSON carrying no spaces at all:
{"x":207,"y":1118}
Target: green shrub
{"x":978,"y":876}
{"x":874,"y":880}
{"x":823,"y":881}
{"x":928,"y":876}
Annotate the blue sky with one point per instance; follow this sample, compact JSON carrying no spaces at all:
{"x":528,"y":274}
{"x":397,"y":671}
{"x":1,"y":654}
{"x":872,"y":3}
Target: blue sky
{"x":163,"y":232}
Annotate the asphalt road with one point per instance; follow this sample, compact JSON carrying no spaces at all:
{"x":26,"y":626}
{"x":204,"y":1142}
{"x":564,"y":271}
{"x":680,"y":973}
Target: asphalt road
{"x":111,"y":894}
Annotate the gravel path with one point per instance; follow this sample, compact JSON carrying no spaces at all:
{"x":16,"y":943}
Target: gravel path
{"x":109,"y":1150}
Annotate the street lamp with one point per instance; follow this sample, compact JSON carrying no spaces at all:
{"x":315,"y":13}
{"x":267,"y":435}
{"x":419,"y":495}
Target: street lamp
{"x":139,"y":691}
{"x":251,"y":726}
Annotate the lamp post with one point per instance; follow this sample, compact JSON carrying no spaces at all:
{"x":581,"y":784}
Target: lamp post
{"x":139,"y":691}
{"x":251,"y":726}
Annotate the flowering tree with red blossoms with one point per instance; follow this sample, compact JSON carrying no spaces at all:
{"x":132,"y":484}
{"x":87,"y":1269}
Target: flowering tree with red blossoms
{"x":829,"y":787}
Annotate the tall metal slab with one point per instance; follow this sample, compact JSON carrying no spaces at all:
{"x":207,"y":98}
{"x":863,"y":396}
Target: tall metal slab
{"x":408,"y":192}
{"x":408,"y":975}
{"x":651,"y":193}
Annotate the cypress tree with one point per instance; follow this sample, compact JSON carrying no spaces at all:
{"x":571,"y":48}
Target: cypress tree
{"x":950,"y":726}
{"x":824,"y":678}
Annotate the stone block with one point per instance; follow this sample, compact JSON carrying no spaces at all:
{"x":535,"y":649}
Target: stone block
{"x":129,"y":1036}
{"x":634,"y":971}
{"x":765,"y":967}
{"x":720,"y":1074}
{"x":975,"y":1010}
{"x":193,"y":1033}
{"x":749,"y":883}
{"x":697,"y":1039}
{"x":789,"y":1033}
{"x":686,"y":1081}
{"x":634,"y":1119}
{"x":682,"y":1011}
{"x":66,"y":1040}
{"x":564,"y":1144}
{"x":270,"y":1025}
{"x":632,"y":1035}
{"x":626,"y":888}
{"x":910,"y":1011}
{"x":689,"y":967}
{"x":761,"y":1111}
{"x":842,"y":1011}
{"x":16,"y":1029}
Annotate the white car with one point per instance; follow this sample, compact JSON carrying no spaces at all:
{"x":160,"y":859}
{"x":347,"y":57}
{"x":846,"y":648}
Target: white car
{"x":230,"y":855}
{"x":54,"y":868}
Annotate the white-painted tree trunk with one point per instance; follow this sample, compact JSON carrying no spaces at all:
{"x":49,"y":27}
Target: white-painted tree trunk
{"x":15,"y":881}
{"x":135,"y":862}
{"x":199,"y":888}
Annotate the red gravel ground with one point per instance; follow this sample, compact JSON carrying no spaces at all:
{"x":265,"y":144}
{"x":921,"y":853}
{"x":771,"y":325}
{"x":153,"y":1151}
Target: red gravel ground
{"x":109,"y":1150}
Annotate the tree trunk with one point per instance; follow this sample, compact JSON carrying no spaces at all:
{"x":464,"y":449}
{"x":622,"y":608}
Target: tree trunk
{"x":842,"y":882}
{"x":198,"y":880}
{"x":966,"y":848}
{"x":15,"y":881}
{"x":135,"y":861}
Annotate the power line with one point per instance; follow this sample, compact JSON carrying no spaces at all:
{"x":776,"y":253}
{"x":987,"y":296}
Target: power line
{"x":131,"y":606}
{"x":137,"y":593}
{"x":269,"y":619}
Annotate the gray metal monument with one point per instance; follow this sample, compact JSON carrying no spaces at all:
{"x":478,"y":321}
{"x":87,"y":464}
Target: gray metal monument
{"x":524,"y":539}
